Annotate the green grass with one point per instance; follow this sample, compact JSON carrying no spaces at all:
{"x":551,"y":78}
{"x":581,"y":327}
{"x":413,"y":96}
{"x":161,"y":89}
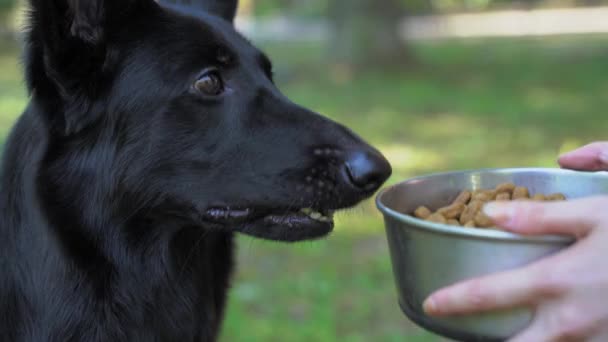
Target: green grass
{"x":466,"y":104}
{"x":12,"y":89}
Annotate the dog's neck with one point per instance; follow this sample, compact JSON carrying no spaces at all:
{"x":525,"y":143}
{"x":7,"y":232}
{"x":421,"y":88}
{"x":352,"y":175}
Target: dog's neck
{"x":176,"y":274}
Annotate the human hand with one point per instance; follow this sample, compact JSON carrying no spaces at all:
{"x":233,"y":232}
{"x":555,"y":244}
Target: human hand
{"x":568,"y":291}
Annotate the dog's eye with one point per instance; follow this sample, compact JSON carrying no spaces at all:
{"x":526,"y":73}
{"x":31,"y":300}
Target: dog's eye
{"x":210,"y":83}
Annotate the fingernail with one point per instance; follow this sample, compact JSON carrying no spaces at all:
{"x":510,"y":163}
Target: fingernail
{"x":429,"y":306}
{"x":499,"y":211}
{"x":604,"y":157}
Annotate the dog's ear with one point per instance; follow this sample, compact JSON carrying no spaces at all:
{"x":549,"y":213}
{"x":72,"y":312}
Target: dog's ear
{"x":70,"y":59}
{"x":222,"y":8}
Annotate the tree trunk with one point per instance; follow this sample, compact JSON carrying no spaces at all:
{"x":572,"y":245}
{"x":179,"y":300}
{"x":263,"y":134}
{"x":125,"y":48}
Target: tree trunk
{"x":365,"y":33}
{"x":6,"y":9}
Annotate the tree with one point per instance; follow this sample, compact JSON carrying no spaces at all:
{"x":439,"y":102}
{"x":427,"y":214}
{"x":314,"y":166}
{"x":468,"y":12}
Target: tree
{"x":6,"y":7}
{"x":366,"y":33}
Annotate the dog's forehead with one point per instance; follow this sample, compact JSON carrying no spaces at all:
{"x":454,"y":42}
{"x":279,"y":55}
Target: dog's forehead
{"x":217,"y":30}
{"x":231,"y":39}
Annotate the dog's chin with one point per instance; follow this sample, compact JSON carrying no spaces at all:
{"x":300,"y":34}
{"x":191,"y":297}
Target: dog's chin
{"x":289,"y":227}
{"x":277,"y":225}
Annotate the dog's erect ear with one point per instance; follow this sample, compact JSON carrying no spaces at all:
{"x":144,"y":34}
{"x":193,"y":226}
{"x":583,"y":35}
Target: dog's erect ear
{"x":69,"y":56}
{"x":221,"y":8}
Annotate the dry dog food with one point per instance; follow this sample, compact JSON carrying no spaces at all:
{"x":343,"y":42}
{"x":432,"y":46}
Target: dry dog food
{"x":466,"y":211}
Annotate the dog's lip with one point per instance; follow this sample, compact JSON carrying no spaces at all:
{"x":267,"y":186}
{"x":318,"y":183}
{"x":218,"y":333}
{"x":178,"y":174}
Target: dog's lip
{"x":227,"y":214}
{"x":288,"y":217}
{"x":284,"y":224}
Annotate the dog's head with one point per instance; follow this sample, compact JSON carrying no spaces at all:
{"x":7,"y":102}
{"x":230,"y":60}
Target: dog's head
{"x":167,"y":109}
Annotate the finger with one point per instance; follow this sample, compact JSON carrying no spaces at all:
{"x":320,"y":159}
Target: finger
{"x":527,"y":286}
{"x":541,"y":332}
{"x":504,"y":290}
{"x":559,"y":320}
{"x":575,"y":218}
{"x":593,"y":157}
{"x":534,"y":333}
{"x":542,"y":326}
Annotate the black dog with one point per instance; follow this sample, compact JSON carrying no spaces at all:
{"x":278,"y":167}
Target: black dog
{"x":151,"y":137}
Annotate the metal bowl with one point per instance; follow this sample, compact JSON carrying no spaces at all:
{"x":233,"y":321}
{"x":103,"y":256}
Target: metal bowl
{"x":427,"y":256}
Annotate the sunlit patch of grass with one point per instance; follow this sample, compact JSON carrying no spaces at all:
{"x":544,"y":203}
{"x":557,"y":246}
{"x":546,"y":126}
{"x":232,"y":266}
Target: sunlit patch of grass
{"x":12,"y":90}
{"x":12,"y":106}
{"x":405,"y":159}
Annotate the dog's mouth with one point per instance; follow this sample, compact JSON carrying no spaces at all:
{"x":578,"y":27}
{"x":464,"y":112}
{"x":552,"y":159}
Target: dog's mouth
{"x":281,"y":224}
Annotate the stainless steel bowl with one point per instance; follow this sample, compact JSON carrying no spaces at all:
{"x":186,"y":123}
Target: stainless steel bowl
{"x":427,"y":256}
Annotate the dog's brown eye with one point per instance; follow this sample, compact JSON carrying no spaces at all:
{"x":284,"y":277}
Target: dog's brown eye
{"x":210,"y":83}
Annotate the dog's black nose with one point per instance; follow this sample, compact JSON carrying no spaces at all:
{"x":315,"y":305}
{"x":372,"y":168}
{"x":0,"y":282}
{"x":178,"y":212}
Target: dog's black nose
{"x":367,"y":170}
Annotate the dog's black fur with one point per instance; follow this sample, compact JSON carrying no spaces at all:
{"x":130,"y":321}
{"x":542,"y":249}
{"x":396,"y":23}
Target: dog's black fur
{"x":152,"y":136}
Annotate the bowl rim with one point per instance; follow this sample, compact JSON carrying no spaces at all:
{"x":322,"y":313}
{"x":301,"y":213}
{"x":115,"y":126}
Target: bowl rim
{"x":491,"y":234}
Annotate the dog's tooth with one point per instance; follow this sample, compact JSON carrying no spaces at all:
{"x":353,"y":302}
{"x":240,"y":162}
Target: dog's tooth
{"x":315,"y":215}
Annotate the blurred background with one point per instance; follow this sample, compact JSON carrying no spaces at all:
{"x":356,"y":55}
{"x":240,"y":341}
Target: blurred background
{"x":436,"y":85}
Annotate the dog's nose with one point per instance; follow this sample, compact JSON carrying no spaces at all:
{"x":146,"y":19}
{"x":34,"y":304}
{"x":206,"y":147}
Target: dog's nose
{"x":367,"y":170}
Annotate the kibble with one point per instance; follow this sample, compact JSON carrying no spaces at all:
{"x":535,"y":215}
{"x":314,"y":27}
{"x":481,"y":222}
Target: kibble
{"x":437,"y":218}
{"x":520,"y":193}
{"x":470,"y":211}
{"x":482,"y":220}
{"x":470,"y":224}
{"x":464,"y":197}
{"x":539,"y":197}
{"x":503,"y":196}
{"x":453,"y":211}
{"x":453,"y":222}
{"x":556,"y":197}
{"x":422,"y":212}
{"x":505,"y":187}
{"x":466,"y":209}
